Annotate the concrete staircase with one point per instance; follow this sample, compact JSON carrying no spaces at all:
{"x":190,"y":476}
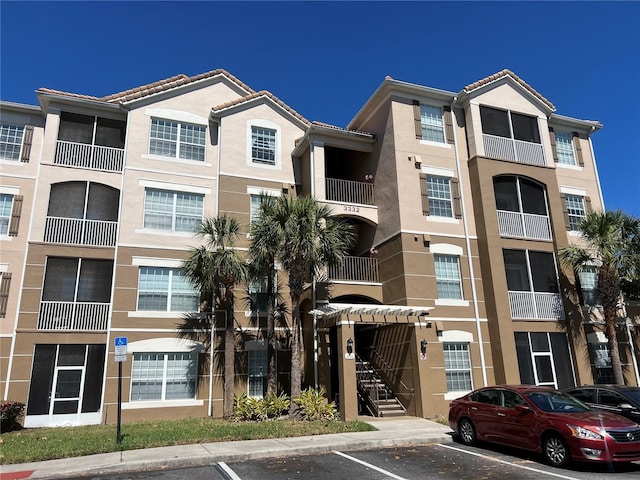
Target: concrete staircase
{"x":377,"y":398}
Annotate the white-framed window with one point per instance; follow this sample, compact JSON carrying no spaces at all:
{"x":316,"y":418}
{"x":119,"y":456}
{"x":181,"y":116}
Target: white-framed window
{"x":6,"y":207}
{"x":259,"y":294}
{"x":432,"y":123}
{"x":10,"y":141}
{"x":163,"y":376}
{"x":256,"y":385}
{"x":174,"y":139}
{"x":589,"y":285}
{"x":601,"y":363}
{"x":263,"y":145}
{"x":457,"y":366}
{"x":439,"y":192}
{"x":172,"y":211}
{"x":564,"y":148}
{"x":576,"y":210}
{"x":448,"y":276}
{"x":163,"y":289}
{"x":256,"y":200}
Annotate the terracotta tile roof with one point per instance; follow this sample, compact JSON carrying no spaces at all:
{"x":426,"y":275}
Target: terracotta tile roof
{"x":508,"y":73}
{"x":151,"y":88}
{"x":254,"y":95}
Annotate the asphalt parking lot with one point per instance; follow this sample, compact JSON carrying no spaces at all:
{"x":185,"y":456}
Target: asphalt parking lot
{"x":437,"y":461}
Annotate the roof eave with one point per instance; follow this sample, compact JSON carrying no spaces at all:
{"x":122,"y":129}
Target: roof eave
{"x":217,"y":114}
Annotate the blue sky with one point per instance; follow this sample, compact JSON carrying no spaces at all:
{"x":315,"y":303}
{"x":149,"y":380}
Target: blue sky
{"x":325,"y":59}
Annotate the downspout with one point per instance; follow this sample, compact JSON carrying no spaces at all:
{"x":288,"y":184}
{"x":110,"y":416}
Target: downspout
{"x":467,"y":240}
{"x":595,"y":168}
{"x":312,"y":172}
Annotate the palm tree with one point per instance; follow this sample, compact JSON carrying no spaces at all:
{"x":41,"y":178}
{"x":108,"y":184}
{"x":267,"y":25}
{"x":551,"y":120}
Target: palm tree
{"x":311,"y":239}
{"x":611,"y":240}
{"x":266,"y":238}
{"x":216,"y":268}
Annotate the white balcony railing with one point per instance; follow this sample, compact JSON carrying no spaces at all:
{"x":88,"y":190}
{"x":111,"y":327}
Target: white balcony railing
{"x":356,"y":269}
{"x":77,"y":231}
{"x":349,"y":191}
{"x":87,"y":317}
{"x":512,"y":150}
{"x":536,"y":305}
{"x":94,"y":157}
{"x":524,"y":225}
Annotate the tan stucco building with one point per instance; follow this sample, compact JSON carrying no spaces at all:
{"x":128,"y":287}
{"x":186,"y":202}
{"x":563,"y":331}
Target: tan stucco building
{"x":460,"y":202}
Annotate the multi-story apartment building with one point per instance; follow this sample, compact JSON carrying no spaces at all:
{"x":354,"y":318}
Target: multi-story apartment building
{"x":460,"y":202}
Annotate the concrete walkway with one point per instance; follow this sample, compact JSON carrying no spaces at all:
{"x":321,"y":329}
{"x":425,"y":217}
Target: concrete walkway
{"x":391,"y":432}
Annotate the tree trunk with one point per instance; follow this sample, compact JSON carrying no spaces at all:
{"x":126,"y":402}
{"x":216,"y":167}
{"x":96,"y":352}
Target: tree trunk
{"x":296,"y":341}
{"x":609,"y":287}
{"x":229,"y":357}
{"x":272,"y":378}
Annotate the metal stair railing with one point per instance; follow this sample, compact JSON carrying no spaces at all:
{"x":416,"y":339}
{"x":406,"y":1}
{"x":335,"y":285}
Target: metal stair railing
{"x":371,"y":388}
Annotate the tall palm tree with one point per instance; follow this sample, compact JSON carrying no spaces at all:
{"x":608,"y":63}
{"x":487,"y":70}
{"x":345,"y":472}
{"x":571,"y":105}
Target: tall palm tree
{"x":216,"y":267}
{"x":611,"y":240}
{"x":266,"y":237}
{"x":312,"y":239}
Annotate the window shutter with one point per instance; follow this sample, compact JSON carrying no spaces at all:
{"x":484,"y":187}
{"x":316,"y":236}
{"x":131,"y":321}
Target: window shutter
{"x":4,"y":293}
{"x":554,"y":149}
{"x":578,"y":147}
{"x":27,"y":139}
{"x":455,"y":193}
{"x":417,"y":119}
{"x":448,"y":124}
{"x":15,"y":216}
{"x":567,"y":223}
{"x":587,"y":205}
{"x":424,"y":194}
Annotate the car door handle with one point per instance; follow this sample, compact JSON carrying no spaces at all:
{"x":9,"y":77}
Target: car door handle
{"x":474,"y":408}
{"x":500,"y":414}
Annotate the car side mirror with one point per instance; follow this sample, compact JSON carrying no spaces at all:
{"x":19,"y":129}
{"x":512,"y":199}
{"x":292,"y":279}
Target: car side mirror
{"x":523,"y":408}
{"x":625,"y":406}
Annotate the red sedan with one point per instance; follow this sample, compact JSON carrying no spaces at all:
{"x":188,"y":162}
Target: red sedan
{"x":546,"y":421}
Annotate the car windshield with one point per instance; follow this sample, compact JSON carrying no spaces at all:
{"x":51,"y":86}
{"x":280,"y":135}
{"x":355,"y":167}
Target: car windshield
{"x":556,"y":402}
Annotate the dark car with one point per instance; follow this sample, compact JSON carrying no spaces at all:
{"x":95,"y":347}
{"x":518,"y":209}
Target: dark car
{"x":546,"y":421}
{"x":622,"y":400}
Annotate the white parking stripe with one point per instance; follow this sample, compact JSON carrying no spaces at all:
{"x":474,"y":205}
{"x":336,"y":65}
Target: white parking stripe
{"x":226,"y":470}
{"x":377,"y":469}
{"x":508,"y":463}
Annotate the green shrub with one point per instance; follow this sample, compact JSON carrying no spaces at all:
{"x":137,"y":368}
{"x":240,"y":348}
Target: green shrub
{"x":314,"y":406}
{"x":248,"y":409}
{"x":10,"y":414}
{"x":277,"y":405}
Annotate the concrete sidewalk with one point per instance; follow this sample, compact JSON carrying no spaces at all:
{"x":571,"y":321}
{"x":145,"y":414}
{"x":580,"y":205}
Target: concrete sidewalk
{"x":391,"y":432}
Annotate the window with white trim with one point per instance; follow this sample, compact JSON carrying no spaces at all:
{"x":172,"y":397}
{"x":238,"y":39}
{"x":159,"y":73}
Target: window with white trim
{"x":10,"y":141}
{"x":259,"y":294}
{"x":164,"y":376}
{"x":576,"y":210}
{"x":564,"y":148}
{"x":177,"y":140}
{"x":263,"y":145}
{"x":432,"y":123}
{"x":457,"y":366}
{"x":601,"y":363}
{"x":163,"y":289}
{"x":448,"y":276}
{"x":439,"y":192}
{"x":589,"y":285}
{"x":254,"y":214}
{"x":256,"y":385}
{"x":6,"y":206}
{"x":172,"y":211}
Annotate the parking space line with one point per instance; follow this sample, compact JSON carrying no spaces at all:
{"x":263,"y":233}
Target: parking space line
{"x":377,"y":469}
{"x":224,"y":470}
{"x":537,"y":470}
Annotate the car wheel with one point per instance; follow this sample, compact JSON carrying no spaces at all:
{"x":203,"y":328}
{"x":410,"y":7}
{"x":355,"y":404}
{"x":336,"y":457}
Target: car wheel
{"x":555,"y":450}
{"x":467,"y":432}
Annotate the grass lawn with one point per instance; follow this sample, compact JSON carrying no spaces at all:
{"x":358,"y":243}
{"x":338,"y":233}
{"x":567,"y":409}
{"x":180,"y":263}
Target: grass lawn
{"x":36,"y":444}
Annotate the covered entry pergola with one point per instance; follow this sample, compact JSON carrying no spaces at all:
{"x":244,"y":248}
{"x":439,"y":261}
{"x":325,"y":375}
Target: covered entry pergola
{"x":345,"y":317}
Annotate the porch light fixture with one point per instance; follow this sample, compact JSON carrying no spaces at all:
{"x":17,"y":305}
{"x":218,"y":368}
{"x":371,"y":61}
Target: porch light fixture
{"x":349,"y":346}
{"x":423,"y":346}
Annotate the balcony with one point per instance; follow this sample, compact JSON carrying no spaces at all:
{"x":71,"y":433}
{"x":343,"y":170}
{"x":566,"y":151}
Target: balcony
{"x":524,"y":225}
{"x":356,"y":269}
{"x":536,"y":305}
{"x":92,"y":157}
{"x":74,"y":231}
{"x":76,"y":316}
{"x":349,"y":191}
{"x":503,"y":148}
